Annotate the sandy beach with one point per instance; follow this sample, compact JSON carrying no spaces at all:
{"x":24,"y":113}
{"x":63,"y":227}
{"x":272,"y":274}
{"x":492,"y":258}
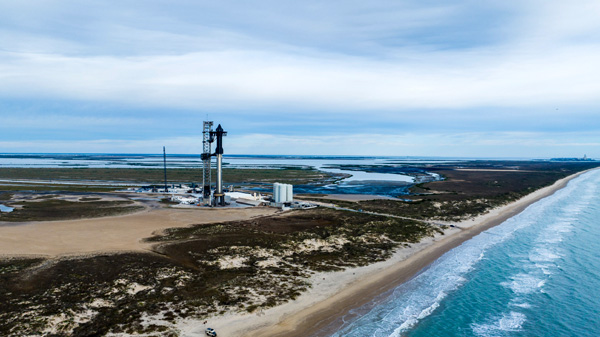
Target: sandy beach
{"x":335,"y":294}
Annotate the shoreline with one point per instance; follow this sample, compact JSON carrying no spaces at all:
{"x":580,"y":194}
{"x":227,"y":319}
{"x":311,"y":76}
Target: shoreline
{"x":333,"y":295}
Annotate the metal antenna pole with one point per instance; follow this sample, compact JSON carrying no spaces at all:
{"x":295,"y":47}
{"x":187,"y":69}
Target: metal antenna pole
{"x":165,"y":168}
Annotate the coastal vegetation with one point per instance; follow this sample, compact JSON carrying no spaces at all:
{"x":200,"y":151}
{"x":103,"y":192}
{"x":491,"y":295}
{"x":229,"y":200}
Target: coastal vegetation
{"x":7,"y":187}
{"x":194,"y":272}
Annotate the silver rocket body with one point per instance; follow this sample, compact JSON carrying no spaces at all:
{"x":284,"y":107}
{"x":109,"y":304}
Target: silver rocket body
{"x":219,"y":196}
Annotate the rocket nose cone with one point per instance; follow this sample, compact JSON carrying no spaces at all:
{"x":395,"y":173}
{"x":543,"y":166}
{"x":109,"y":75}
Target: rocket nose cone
{"x":219,"y":128}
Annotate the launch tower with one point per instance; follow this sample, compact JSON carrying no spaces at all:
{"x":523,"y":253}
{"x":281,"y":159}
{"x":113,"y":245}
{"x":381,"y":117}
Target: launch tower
{"x":208,"y":137}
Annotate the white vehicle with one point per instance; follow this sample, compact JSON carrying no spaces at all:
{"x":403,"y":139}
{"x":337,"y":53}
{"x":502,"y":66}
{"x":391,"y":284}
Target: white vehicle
{"x":210,"y":332}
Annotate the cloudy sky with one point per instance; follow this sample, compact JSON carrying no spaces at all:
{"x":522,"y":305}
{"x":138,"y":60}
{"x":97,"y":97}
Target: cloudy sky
{"x":400,"y":78}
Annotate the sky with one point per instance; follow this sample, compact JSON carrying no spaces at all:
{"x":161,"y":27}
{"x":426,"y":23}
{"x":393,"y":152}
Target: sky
{"x":386,"y":78}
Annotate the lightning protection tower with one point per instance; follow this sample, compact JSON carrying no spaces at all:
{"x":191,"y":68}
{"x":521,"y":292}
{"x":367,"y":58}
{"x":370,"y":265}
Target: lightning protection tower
{"x":207,"y":139}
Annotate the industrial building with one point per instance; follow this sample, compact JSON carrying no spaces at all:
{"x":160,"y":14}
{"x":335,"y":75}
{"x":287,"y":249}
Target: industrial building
{"x":283,"y":194}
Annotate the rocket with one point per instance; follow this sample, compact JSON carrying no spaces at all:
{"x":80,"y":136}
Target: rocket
{"x":219,"y":195}
{"x":219,"y":133}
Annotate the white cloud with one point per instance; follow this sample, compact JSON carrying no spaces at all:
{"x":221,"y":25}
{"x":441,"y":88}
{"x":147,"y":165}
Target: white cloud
{"x":58,"y":121}
{"x":267,"y":79}
{"x":211,"y":67}
{"x":392,"y":61}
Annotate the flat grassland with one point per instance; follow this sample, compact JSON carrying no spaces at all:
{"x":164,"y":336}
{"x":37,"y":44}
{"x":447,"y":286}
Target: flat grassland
{"x":156,"y":176}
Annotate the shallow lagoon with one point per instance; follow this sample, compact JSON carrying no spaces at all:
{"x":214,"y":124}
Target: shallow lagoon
{"x":5,"y":209}
{"x":358,"y":182}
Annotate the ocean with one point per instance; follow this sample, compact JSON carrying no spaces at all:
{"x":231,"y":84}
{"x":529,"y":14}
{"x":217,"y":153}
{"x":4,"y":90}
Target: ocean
{"x":536,"y":274}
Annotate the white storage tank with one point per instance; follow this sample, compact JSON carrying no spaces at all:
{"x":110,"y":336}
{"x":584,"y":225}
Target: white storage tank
{"x":289,"y":193}
{"x":281,"y":193}
{"x":275,"y":192}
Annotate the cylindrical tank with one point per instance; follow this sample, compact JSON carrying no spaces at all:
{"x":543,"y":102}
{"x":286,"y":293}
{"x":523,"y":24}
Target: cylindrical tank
{"x":281,"y":193}
{"x":289,"y":193}
{"x":275,"y":192}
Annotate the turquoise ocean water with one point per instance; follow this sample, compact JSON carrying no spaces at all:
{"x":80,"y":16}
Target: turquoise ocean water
{"x":537,"y":274}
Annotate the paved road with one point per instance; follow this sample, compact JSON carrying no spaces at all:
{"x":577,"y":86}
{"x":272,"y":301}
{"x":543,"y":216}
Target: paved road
{"x":327,"y":205}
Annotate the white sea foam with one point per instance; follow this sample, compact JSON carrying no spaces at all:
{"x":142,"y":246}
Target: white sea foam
{"x":559,"y":228}
{"x":545,"y":268}
{"x":524,"y":283}
{"x":511,"y":322}
{"x":523,"y":305}
{"x":411,"y":321}
{"x":543,"y":254}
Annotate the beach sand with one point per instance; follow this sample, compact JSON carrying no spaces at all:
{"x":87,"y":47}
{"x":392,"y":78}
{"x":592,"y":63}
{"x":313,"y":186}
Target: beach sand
{"x":334,"y":294}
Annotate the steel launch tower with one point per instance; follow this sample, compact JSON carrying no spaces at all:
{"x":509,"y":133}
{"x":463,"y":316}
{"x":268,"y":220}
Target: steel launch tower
{"x":208,"y":137}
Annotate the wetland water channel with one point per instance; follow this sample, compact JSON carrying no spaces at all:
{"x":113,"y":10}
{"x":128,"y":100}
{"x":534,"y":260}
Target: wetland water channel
{"x":358,"y":175}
